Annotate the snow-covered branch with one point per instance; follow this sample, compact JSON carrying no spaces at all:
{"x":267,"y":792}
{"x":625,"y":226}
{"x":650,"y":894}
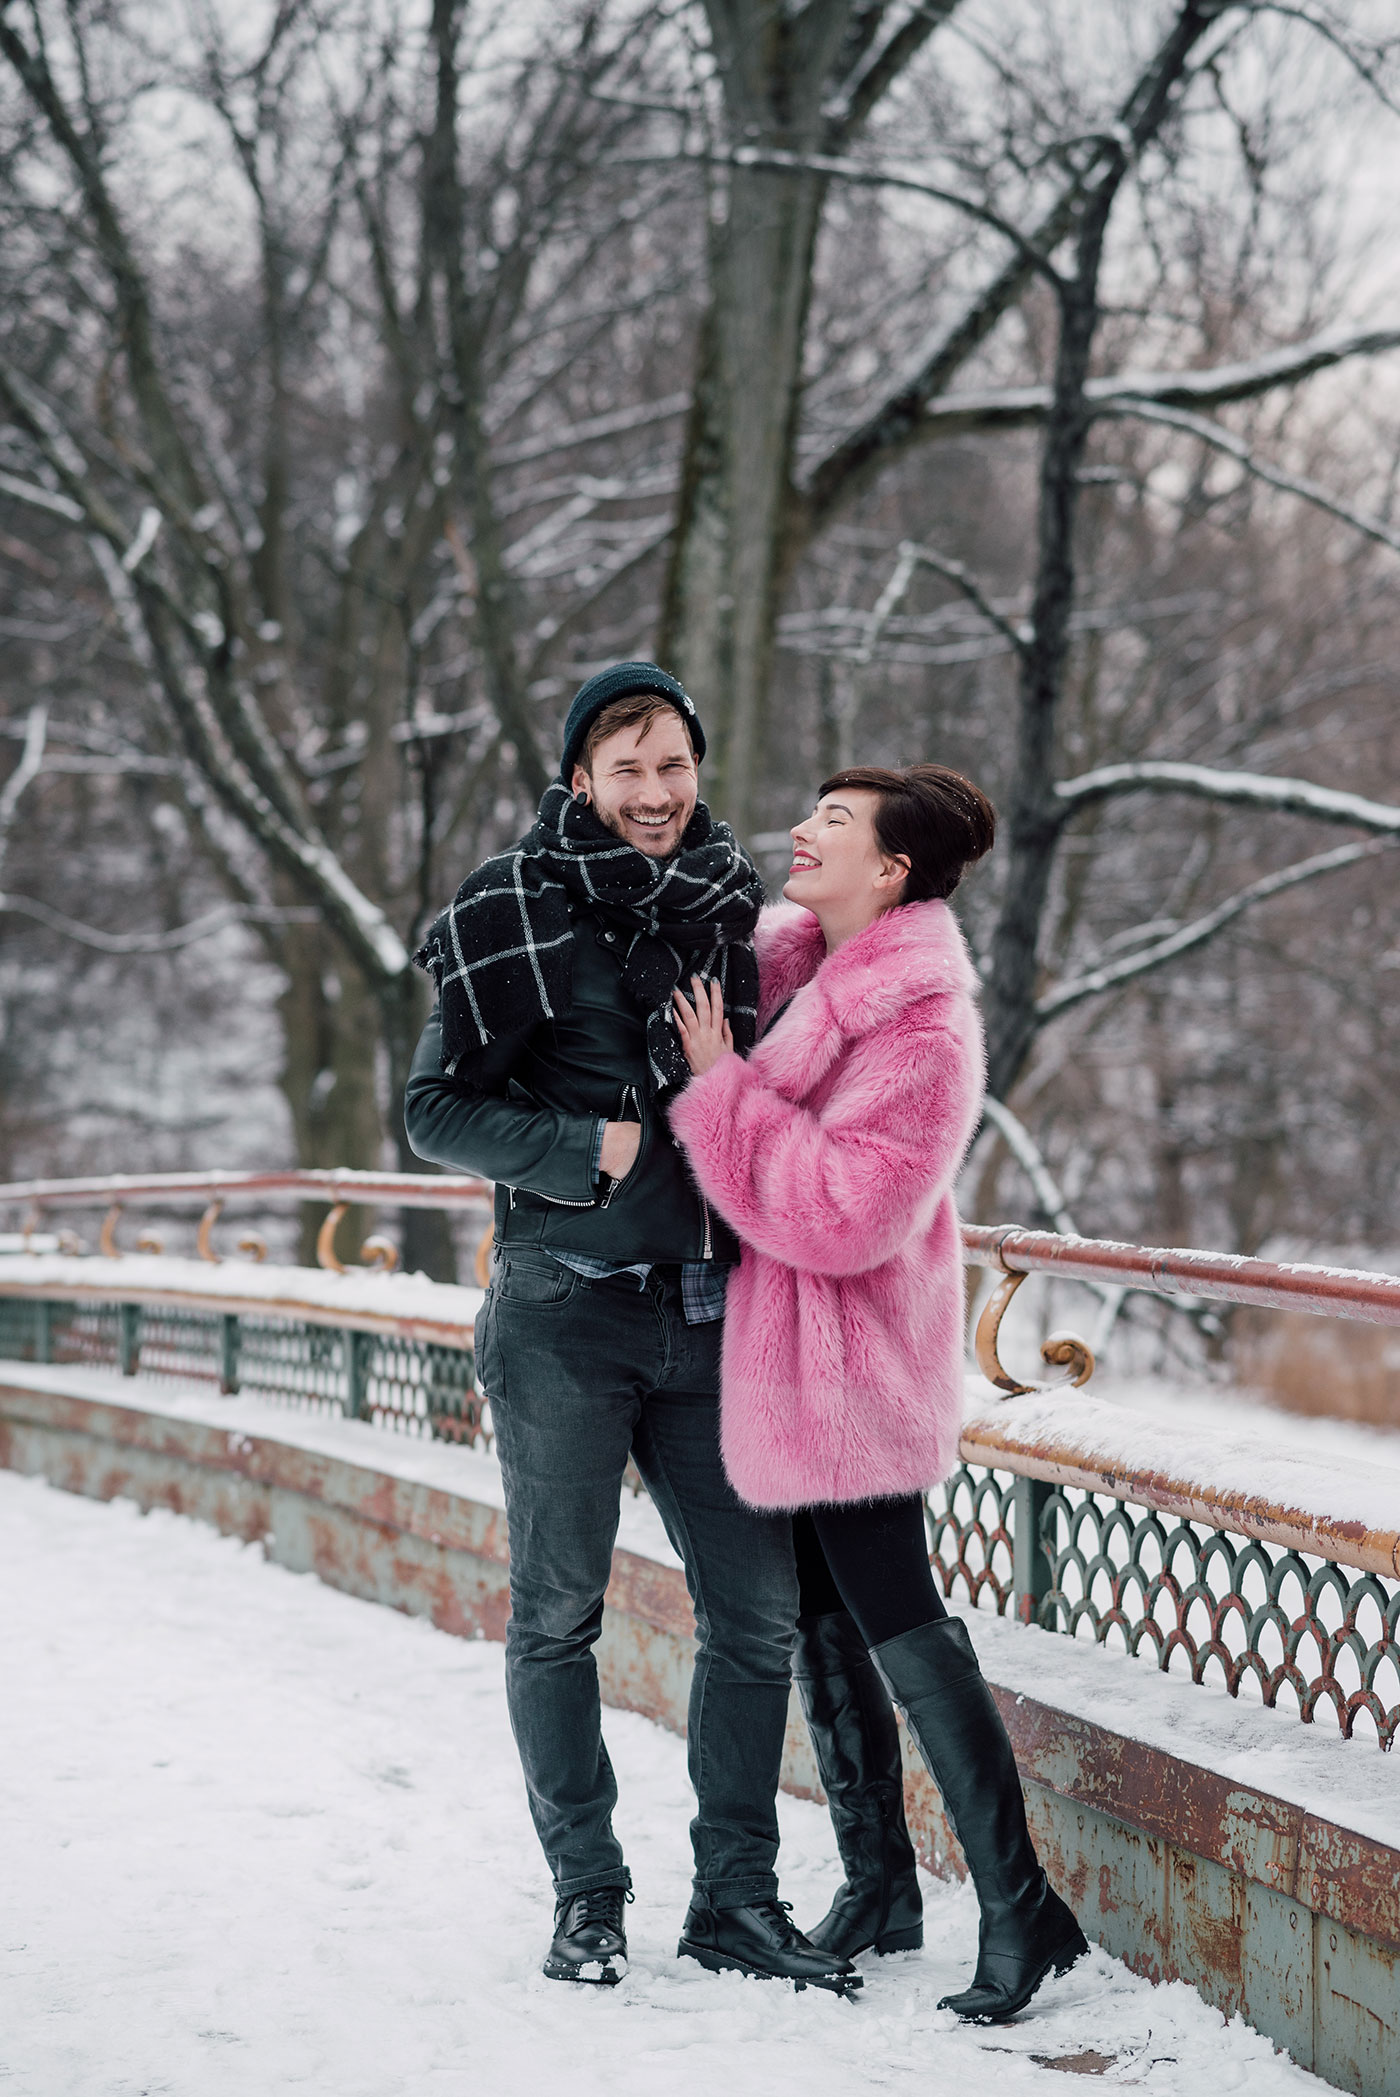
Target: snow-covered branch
{"x":604,"y":572}
{"x":908,"y":413}
{"x":887,"y":603}
{"x":1291,"y":483}
{"x":223,"y":734}
{"x":832,"y":167}
{"x":31,"y":760}
{"x":1017,"y":634}
{"x":1028,"y":1155}
{"x":40,"y":498}
{"x":1365,"y":63}
{"x":1242,"y":789}
{"x":1024,"y":407}
{"x":617,"y":423}
{"x":151,"y":942}
{"x":1116,"y":973}
{"x":882,"y":66}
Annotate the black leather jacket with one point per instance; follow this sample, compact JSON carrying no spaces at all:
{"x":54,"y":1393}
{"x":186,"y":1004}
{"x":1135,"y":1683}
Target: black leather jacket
{"x":524,"y":1112}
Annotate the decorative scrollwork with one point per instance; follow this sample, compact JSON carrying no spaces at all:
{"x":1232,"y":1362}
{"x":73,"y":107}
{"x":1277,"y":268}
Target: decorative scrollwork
{"x":326,"y":1254}
{"x":1230,"y":1609}
{"x":203,"y":1238}
{"x":107,"y":1237}
{"x":377,"y":1252}
{"x":1262,"y":1621}
{"x":1061,"y":1350}
{"x":150,"y":1241}
{"x":253,"y":1245}
{"x":970,"y":1536}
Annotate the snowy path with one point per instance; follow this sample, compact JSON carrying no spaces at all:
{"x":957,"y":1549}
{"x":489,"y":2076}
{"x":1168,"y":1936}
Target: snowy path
{"x":260,"y":1837}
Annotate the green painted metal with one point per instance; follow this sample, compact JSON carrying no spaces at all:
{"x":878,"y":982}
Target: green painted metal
{"x":357,"y":1364}
{"x":1032,"y":1573}
{"x":129,"y":1343}
{"x":415,"y":1386}
{"x":1279,"y":1625}
{"x":228,"y":1353}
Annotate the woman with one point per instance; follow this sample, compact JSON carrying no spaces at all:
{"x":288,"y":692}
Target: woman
{"x":832,"y":1152}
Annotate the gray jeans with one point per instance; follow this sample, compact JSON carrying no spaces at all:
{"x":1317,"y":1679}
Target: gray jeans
{"x":580,"y":1373}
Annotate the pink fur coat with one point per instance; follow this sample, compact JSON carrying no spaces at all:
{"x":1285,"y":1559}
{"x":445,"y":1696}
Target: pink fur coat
{"x":832,"y":1153}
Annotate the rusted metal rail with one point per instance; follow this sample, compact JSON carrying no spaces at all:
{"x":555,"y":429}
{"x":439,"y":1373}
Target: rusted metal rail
{"x":1071,"y":1461}
{"x":1155,"y":1270}
{"x":1010,"y":1251}
{"x":1334,"y":1292}
{"x":1060,"y":1514}
{"x":1051,"y":1516}
{"x":399,"y":1190}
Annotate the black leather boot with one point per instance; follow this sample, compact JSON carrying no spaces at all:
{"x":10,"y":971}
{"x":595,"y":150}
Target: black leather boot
{"x":762,"y":1940}
{"x":856,"y":1740}
{"x":590,"y":1937}
{"x":1027,"y":1931}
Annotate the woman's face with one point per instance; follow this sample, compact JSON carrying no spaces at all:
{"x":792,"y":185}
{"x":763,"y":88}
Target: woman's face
{"x":837,"y":865}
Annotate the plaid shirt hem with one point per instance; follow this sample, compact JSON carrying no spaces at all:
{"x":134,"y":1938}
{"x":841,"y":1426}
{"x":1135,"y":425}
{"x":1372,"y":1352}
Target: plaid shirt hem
{"x":703,"y":1282}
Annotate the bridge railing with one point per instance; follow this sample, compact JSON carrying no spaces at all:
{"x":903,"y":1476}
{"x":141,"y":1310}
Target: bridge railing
{"x":1206,"y":1551}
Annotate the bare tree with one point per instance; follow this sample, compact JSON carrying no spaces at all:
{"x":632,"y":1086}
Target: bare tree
{"x":283,"y":625}
{"x":870,"y":338}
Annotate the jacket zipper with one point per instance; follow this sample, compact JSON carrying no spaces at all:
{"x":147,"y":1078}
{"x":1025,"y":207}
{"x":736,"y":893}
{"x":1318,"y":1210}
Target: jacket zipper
{"x":708,"y":1251}
{"x":629,"y":1098}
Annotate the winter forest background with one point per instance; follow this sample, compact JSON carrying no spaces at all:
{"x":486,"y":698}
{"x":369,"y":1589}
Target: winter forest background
{"x":1012,"y":384}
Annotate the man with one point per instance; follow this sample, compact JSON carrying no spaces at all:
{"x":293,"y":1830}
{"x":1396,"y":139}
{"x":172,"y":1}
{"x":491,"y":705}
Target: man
{"x":546,"y":1067}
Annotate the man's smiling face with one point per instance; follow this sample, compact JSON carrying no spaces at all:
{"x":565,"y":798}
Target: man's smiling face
{"x":644,"y":783}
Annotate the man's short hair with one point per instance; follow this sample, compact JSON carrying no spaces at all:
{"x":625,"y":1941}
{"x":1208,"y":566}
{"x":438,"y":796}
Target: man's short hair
{"x":632,"y":710}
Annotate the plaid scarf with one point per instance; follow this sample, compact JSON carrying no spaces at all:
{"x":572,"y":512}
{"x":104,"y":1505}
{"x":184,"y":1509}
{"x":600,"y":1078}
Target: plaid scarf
{"x":502,"y":952}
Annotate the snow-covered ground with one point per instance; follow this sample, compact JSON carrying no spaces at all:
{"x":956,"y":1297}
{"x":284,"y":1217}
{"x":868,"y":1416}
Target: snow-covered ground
{"x":261,"y":1837}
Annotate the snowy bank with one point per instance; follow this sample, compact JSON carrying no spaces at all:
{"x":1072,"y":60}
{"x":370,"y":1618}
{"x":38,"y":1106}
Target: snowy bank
{"x":400,"y":1301}
{"x":263,"y":1837}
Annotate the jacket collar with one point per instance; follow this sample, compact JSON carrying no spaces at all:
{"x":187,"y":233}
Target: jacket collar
{"x":910,"y":953}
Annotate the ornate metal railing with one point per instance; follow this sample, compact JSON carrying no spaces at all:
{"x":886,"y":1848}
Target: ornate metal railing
{"x":1196,"y":1573}
{"x":1286,"y":1626}
{"x":357,"y":1371}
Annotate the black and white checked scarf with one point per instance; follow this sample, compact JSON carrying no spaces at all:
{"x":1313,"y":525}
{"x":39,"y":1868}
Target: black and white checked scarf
{"x":502,"y":952}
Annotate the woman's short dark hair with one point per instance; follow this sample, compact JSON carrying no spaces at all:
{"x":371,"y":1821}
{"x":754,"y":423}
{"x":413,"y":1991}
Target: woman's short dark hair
{"x":934,"y":818}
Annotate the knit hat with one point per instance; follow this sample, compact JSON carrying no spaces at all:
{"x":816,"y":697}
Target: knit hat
{"x":616,"y":683}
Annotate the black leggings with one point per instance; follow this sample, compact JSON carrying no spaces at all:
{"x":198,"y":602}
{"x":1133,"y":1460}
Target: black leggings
{"x":871,"y":1558}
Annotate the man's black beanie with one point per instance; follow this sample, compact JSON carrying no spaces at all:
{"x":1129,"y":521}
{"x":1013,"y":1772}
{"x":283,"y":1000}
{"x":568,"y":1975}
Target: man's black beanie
{"x":616,"y":683}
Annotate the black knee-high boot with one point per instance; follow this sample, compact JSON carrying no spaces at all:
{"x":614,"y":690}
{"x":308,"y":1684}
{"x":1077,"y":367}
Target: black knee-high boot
{"x":1027,"y":1931}
{"x":853,"y":1731}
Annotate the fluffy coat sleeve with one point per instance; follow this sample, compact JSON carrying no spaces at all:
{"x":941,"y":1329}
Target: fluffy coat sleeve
{"x":837,"y":1188}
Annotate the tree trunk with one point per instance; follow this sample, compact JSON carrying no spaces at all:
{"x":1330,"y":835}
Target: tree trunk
{"x":425,"y":1234}
{"x":734,"y":526}
{"x":1035,"y":822}
{"x":330,"y":1023}
{"x":728,"y":558}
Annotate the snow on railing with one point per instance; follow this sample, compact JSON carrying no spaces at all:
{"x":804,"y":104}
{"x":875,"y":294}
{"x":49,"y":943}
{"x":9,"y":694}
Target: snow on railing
{"x":1224,"y":1277}
{"x":1173,"y":1272}
{"x":1270,"y":1573}
{"x":1341,"y":1292}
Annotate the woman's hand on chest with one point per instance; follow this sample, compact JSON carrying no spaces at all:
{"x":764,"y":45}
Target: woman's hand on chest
{"x":704,"y":1030}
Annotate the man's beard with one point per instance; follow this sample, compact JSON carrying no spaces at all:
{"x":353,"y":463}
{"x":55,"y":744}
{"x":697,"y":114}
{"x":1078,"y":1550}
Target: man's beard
{"x":615,"y":823}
